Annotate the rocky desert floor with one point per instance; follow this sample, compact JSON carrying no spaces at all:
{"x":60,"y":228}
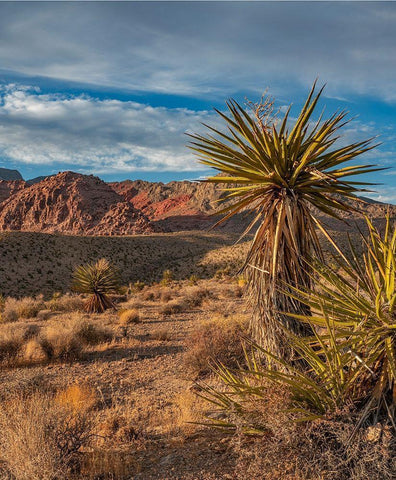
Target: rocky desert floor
{"x":133,"y":373}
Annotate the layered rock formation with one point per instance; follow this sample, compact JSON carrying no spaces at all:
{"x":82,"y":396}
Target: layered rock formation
{"x":74,"y":204}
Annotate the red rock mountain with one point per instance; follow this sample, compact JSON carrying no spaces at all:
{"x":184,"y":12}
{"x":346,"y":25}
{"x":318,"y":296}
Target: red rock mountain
{"x":74,"y":204}
{"x":78,"y":204}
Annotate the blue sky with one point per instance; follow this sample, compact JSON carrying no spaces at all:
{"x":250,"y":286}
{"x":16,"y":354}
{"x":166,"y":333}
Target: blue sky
{"x":110,"y":88}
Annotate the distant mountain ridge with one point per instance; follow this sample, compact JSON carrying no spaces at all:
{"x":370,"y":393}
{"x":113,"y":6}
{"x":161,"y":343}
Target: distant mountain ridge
{"x":7,"y":174}
{"x":77,"y":204}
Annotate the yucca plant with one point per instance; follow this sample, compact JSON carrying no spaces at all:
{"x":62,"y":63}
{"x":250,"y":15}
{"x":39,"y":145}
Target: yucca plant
{"x":98,"y":279}
{"x":324,"y":386}
{"x":279,"y":173}
{"x":358,"y":301}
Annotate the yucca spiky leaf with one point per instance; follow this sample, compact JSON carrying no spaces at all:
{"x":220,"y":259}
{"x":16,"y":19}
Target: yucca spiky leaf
{"x":358,"y":301}
{"x":279,"y":172}
{"x":98,"y":279}
{"x":322,"y":387}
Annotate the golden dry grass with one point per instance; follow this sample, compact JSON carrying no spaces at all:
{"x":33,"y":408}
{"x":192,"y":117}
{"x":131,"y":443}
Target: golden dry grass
{"x":132,"y":381}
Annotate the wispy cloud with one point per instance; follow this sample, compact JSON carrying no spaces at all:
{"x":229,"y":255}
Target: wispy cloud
{"x":204,"y":48}
{"x":95,"y":135}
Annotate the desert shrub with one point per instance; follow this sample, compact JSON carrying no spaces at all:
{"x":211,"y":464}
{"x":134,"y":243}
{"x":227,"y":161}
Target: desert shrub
{"x":128,"y":316}
{"x":44,"y":315}
{"x":15,"y":309}
{"x":175,"y":306}
{"x":40,"y":438}
{"x":193,"y":279}
{"x":65,"y":303}
{"x":136,"y":287}
{"x":167,"y":277}
{"x":166,"y":295}
{"x":321,"y":450}
{"x":216,"y":340}
{"x":222,"y":273}
{"x":2,"y":302}
{"x":195,"y":296}
{"x":90,"y":334}
{"x":162,"y":335}
{"x":61,"y":343}
{"x":148,"y":295}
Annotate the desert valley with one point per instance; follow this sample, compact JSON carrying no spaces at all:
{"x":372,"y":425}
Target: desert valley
{"x":120,"y":388}
{"x":197,"y":240}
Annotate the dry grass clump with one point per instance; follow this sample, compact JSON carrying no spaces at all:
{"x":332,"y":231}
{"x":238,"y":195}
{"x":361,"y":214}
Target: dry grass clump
{"x":78,"y":397}
{"x":61,"y":343}
{"x":40,"y":438}
{"x":44,"y":315}
{"x":11,"y":341}
{"x":190,"y":409}
{"x":33,"y":352}
{"x":166,"y":295}
{"x":217,"y":340}
{"x":321,"y":450}
{"x":175,"y":306}
{"x":90,"y":334}
{"x":162,"y":335}
{"x":66,"y":340}
{"x":15,"y":309}
{"x":63,"y":340}
{"x":234,"y":291}
{"x":128,"y":316}
{"x":195,"y":296}
{"x":149,"y":295}
{"x":65,"y":303}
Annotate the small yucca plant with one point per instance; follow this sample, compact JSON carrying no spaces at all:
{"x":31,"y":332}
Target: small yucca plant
{"x":98,"y":279}
{"x":279,"y":172}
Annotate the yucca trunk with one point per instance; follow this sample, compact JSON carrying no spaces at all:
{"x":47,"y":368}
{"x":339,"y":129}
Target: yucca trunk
{"x":285,"y":245}
{"x":98,"y":303}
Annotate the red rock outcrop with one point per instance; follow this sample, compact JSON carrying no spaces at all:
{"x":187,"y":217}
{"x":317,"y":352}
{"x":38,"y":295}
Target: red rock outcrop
{"x":10,"y":187}
{"x":175,"y":205}
{"x":191,"y":205}
{"x":74,"y":204}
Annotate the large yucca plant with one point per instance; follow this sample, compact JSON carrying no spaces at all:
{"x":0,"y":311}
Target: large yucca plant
{"x":98,"y":279}
{"x":279,"y":172}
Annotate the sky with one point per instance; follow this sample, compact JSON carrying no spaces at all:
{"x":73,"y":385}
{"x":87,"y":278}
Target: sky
{"x":111,"y":88}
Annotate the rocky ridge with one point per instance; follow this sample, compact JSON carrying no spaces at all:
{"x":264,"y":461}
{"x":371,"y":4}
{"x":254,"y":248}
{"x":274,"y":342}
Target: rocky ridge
{"x":77,"y":204}
{"x":71,"y":203}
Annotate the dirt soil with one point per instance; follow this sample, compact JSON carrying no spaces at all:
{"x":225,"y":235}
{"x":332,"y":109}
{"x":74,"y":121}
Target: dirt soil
{"x":142,"y":375}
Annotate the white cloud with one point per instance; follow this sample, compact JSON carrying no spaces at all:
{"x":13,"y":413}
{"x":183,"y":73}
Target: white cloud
{"x":110,"y":136}
{"x":101,"y":136}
